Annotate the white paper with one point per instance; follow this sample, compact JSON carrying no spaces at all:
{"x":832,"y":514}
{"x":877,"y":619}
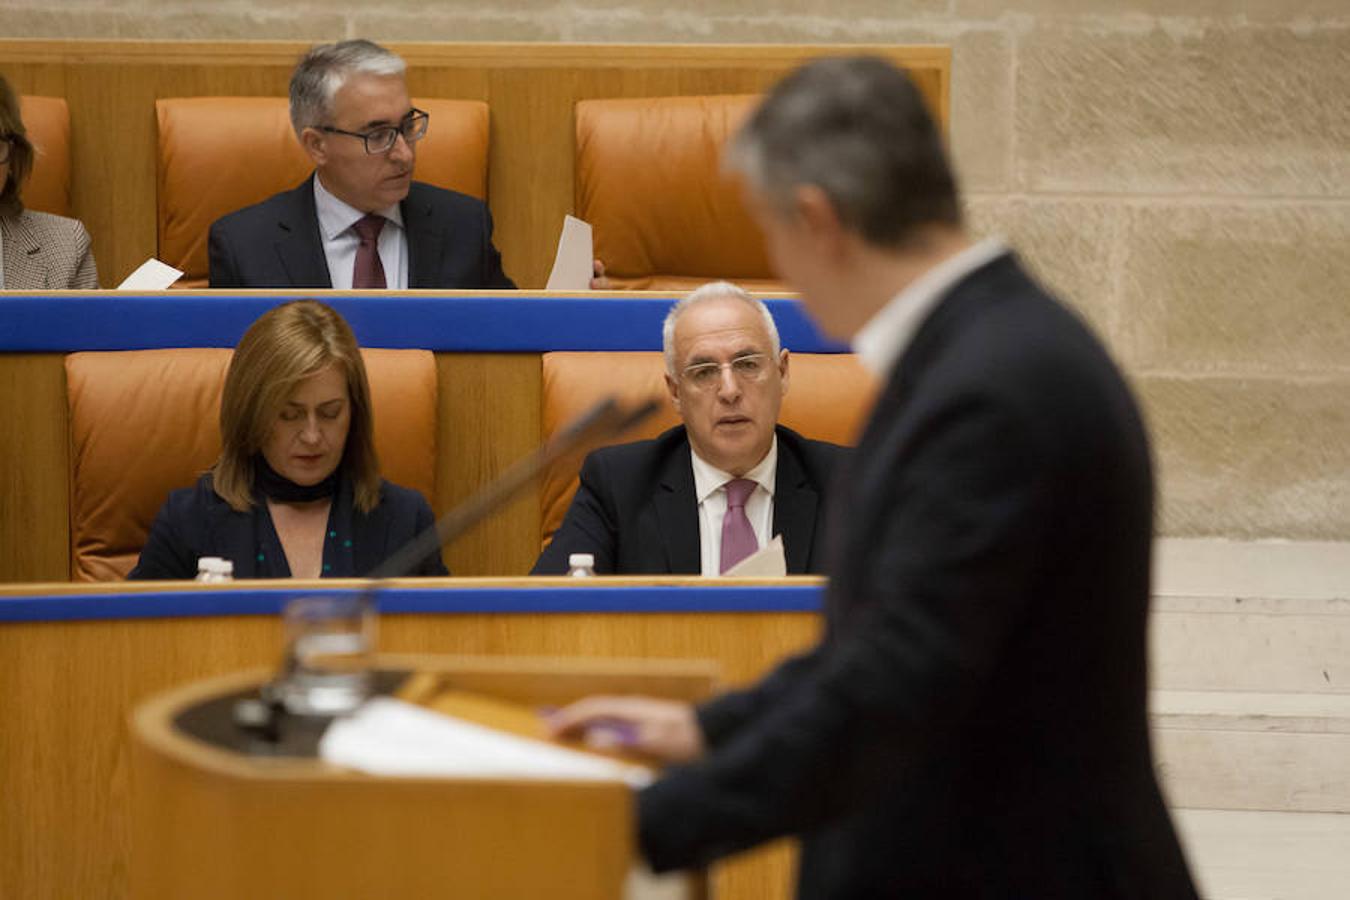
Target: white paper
{"x":641,"y":884}
{"x":767,"y":562}
{"x":152,"y":275}
{"x":391,"y":737}
{"x":574,"y":264}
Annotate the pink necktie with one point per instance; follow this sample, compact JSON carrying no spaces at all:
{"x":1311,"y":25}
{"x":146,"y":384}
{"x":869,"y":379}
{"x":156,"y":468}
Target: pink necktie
{"x":738,"y":538}
{"x":369,"y":271}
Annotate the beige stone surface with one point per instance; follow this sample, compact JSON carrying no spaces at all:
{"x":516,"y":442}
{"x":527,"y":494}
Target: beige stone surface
{"x":1266,"y":855}
{"x":1070,"y":245}
{"x":981,"y":109}
{"x":1219,"y":288}
{"x":1226,"y":10}
{"x":1210,"y":109}
{"x":65,"y":22}
{"x":1235,"y":651}
{"x":1251,"y":457}
{"x":1266,"y":577}
{"x":174,"y":21}
{"x":1284,"y":771}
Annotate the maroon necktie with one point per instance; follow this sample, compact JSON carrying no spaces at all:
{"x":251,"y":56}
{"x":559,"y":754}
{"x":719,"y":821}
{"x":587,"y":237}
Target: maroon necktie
{"x":738,"y":538}
{"x":369,"y":271}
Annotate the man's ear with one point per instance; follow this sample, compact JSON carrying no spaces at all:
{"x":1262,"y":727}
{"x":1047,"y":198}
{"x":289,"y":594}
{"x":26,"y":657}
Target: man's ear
{"x":312,"y":142}
{"x":816,"y":214}
{"x":783,"y":368}
{"x":673,"y":388}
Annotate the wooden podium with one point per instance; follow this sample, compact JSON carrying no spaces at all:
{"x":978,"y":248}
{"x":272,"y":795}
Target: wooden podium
{"x":250,"y":820}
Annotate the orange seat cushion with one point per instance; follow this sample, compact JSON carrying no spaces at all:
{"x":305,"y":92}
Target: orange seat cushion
{"x":648,"y":180}
{"x":144,"y":422}
{"x":47,"y":121}
{"x":828,"y":397}
{"x":220,"y":154}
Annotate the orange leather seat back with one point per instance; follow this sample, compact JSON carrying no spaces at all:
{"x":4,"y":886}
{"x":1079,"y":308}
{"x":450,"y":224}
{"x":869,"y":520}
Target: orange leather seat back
{"x":47,"y":121}
{"x":828,"y":397}
{"x":144,"y":422}
{"x":220,"y":154}
{"x":648,"y":180}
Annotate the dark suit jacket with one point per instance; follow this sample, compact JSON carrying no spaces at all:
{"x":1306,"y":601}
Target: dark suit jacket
{"x":973,"y":722}
{"x":637,"y":513}
{"x":196,"y":522}
{"x":277,"y":244}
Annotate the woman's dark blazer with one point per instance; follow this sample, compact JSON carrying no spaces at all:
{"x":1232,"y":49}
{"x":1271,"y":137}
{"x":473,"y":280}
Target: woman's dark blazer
{"x":196,"y":522}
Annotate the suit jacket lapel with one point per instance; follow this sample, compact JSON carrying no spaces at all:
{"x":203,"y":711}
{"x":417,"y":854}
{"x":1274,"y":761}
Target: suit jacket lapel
{"x":677,"y":513}
{"x":794,"y":508}
{"x":24,"y":261}
{"x":424,"y":235}
{"x":299,"y":244}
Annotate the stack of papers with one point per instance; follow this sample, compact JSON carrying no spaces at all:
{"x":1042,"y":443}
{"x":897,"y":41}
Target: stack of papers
{"x":391,"y":737}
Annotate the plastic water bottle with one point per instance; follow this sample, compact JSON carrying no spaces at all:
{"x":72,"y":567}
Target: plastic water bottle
{"x":214,"y":570}
{"x":581,"y":565}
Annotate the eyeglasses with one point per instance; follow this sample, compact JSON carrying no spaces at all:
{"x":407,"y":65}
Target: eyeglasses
{"x":382,"y":139}
{"x":749,"y":369}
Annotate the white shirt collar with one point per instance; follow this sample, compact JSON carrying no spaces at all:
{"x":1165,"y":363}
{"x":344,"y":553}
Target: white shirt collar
{"x":880,"y":343}
{"x":336,"y":216}
{"x":708,"y":478}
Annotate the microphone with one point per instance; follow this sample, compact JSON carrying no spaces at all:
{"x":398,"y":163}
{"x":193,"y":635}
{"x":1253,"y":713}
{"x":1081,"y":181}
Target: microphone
{"x":605,"y":420}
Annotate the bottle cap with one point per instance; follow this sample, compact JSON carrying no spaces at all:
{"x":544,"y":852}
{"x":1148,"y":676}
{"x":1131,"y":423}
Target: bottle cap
{"x":215,"y":565}
{"x":581,"y":560}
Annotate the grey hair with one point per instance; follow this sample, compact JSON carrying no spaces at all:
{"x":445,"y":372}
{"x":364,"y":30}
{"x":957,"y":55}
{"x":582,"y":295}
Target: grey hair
{"x":713,"y":290}
{"x":858,"y":129}
{"x":322,"y":71}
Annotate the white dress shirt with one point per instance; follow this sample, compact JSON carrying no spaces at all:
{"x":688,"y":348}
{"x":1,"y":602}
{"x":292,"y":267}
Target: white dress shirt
{"x":880,"y":343}
{"x":710,"y":488}
{"x":336,"y":219}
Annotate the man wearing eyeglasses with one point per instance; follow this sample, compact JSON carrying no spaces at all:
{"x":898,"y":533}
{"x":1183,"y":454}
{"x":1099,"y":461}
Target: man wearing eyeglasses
{"x":706,"y":494}
{"x":360,"y":221}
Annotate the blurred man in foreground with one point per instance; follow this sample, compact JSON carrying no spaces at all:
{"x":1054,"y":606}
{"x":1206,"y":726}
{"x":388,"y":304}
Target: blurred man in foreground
{"x":973,"y":722}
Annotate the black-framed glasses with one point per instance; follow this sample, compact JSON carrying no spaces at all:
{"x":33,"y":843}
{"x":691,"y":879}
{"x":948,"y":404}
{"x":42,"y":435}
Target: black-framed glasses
{"x":413,"y":127}
{"x":748,"y":369}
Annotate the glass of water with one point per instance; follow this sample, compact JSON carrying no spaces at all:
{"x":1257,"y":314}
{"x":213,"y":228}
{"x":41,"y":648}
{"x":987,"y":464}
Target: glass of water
{"x":330,"y":654}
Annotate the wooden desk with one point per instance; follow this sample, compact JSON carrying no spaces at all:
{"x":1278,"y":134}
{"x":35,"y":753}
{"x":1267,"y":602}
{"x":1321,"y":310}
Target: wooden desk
{"x":219,"y":822}
{"x":75,"y":659}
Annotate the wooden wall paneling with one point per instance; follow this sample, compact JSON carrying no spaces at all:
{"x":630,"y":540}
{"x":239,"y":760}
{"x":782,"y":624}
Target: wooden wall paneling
{"x":34,"y":467}
{"x":489,"y":407}
{"x":68,"y":687}
{"x":113,"y":164}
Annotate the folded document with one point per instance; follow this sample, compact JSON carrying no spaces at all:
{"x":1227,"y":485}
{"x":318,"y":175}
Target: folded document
{"x":391,"y":737}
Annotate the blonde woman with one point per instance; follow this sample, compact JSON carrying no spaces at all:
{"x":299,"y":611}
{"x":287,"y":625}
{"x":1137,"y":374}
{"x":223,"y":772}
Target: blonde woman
{"x":38,"y":251}
{"x":297,"y":488}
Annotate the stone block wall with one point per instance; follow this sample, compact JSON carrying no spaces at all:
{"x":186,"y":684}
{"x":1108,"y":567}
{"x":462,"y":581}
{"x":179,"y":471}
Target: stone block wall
{"x":1178,"y":171}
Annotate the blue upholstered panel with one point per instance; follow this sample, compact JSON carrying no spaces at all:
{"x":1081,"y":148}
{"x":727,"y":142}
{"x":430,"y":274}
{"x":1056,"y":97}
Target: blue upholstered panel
{"x":508,"y":322}
{"x":268,"y":601}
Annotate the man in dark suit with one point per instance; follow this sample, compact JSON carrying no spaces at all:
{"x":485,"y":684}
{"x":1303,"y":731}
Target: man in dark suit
{"x":359,"y":221}
{"x":972,"y":723}
{"x":666,"y":506}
